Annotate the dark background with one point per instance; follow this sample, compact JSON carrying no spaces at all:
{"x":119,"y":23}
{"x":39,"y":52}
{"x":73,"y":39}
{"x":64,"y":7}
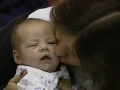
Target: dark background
{"x":9,"y":9}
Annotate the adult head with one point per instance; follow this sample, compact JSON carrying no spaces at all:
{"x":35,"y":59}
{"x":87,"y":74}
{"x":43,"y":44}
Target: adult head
{"x":99,"y":51}
{"x":75,"y":24}
{"x":69,"y":21}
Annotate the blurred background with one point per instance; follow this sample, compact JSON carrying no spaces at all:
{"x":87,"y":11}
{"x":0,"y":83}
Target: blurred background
{"x":9,"y":9}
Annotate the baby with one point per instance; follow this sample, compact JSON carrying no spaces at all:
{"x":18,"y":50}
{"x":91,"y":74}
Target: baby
{"x":33,"y":44}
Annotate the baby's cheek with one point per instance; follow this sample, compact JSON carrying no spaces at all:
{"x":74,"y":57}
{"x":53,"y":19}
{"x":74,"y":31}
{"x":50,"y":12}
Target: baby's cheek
{"x":32,"y":54}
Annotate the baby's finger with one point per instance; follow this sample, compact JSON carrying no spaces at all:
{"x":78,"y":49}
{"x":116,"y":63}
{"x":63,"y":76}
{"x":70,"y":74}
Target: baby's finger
{"x":17,"y":78}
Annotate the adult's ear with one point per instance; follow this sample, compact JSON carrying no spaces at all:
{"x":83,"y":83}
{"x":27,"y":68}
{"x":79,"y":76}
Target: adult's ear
{"x":17,"y":57}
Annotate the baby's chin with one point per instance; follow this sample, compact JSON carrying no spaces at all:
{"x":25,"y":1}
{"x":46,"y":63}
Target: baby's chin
{"x":48,"y":68}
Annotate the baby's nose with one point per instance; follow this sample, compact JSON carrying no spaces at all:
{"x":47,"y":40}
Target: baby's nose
{"x":43,"y":48}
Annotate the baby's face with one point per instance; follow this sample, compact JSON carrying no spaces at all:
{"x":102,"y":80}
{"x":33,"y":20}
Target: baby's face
{"x":37,"y":45}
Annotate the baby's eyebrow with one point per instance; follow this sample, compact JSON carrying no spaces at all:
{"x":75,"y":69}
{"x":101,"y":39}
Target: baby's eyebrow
{"x":52,"y":38}
{"x":33,"y":40}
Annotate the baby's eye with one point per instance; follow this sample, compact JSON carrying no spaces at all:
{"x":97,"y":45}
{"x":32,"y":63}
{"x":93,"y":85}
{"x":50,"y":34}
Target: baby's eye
{"x":33,"y":45}
{"x":52,"y":42}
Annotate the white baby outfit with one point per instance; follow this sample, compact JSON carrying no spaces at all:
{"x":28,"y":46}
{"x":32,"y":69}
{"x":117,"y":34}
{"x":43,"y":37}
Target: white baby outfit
{"x":37,"y":79}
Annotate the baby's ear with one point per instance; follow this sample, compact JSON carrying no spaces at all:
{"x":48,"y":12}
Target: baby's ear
{"x":17,"y":57}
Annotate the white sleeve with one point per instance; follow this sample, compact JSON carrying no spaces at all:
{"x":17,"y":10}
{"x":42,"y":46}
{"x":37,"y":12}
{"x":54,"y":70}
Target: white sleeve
{"x":65,"y":73}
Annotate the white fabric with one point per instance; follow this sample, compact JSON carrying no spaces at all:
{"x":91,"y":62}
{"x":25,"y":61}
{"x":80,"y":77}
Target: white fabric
{"x":43,"y":14}
{"x":37,"y":79}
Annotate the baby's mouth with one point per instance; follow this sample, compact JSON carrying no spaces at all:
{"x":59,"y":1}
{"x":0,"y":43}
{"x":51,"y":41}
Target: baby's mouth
{"x":45,"y":58}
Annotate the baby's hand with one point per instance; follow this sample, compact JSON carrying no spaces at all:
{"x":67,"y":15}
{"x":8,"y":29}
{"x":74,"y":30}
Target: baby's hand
{"x":12,"y":84}
{"x":64,"y":84}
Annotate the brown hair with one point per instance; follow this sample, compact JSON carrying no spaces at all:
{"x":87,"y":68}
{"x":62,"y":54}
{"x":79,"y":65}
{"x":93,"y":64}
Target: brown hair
{"x":73,"y":15}
{"x":98,"y":48}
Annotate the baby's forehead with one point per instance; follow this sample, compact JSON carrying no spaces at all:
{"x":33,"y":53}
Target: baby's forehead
{"x":27,"y":23}
{"x":36,"y":21}
{"x":31,"y":21}
{"x":31,"y":26}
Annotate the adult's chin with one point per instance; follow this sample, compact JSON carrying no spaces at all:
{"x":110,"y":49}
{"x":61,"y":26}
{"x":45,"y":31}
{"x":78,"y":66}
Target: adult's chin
{"x":70,"y":61}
